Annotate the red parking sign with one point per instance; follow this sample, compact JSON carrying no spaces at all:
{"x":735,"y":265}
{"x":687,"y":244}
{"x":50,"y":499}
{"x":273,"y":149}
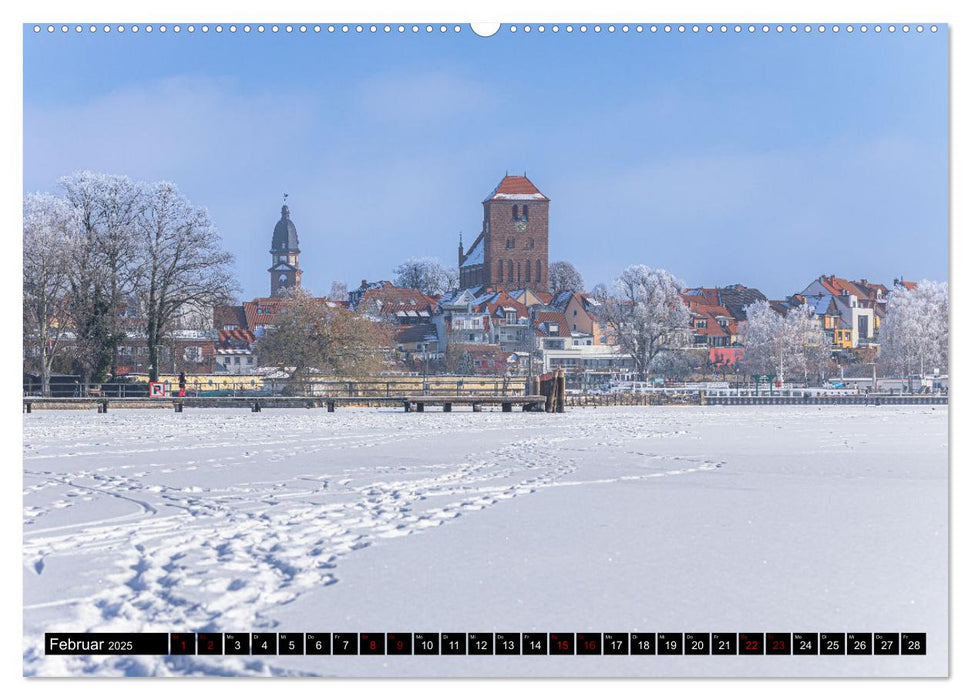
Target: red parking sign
{"x":156,"y":390}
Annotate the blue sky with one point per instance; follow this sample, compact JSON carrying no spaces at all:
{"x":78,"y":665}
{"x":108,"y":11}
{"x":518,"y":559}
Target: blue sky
{"x":761,"y":159}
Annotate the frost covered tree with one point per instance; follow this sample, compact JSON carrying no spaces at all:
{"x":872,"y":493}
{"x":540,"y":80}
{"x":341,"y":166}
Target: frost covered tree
{"x":811,"y":348}
{"x":914,"y":333}
{"x":762,"y":336}
{"x":564,"y":277}
{"x":310,"y":335}
{"x":647,"y":316}
{"x":451,"y":279}
{"x":50,"y":228}
{"x":786,"y":345}
{"x":338,"y":291}
{"x":427,"y":275}
{"x":106,"y":265}
{"x":184,"y":267}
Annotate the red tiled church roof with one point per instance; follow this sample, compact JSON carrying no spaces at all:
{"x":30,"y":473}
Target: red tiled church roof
{"x":516,"y":187}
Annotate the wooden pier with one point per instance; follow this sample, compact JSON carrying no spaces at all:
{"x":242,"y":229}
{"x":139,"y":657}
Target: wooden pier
{"x":257,"y":403}
{"x":528,"y":403}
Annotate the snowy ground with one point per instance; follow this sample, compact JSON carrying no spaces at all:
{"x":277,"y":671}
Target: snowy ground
{"x":677,"y":519}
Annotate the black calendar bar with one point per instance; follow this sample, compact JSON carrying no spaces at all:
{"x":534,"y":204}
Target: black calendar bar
{"x":89,"y":644}
{"x":629,"y":644}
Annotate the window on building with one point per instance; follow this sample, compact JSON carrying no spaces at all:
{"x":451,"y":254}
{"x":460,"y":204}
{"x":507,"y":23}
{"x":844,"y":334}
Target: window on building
{"x":510,"y":243}
{"x":515,"y":212}
{"x":539,"y":271}
{"x":499,"y":275}
{"x":529,"y":276}
{"x":509,"y":267}
{"x":525,"y":212}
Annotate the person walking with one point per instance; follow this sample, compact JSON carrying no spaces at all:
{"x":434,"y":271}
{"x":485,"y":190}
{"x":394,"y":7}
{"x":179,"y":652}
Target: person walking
{"x":181,"y":384}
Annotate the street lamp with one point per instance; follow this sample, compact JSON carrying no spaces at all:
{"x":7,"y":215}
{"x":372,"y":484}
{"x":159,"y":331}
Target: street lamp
{"x":424,"y":376}
{"x":530,"y":344}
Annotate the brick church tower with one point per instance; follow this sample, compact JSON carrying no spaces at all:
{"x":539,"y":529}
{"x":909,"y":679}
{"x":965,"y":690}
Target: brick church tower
{"x":285,"y":271}
{"x":512,"y":251}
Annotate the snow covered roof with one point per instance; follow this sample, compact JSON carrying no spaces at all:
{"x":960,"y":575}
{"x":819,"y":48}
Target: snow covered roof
{"x":822,"y":304}
{"x":562,"y":299}
{"x":516,"y":187}
{"x":456,"y":298}
{"x":476,"y":256}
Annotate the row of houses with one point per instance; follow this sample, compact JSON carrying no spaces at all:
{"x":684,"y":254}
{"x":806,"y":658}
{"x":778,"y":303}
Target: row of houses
{"x":490,"y":330}
{"x":849,"y":312}
{"x":484,"y":329}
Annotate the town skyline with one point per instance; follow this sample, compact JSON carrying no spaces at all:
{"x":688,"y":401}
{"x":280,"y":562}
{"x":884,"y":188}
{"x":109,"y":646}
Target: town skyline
{"x":323,"y":288}
{"x":697,"y":158}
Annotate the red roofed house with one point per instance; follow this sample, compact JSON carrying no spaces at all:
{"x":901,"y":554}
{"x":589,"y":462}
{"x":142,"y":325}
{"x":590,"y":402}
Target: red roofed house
{"x":512,"y":251}
{"x":398,"y":305}
{"x":855,"y":302}
{"x":582,"y":314}
{"x":713,"y":327}
{"x":234,"y":352}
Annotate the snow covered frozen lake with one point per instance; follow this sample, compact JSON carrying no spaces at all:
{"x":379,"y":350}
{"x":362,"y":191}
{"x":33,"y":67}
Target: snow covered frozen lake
{"x":659,"y":519}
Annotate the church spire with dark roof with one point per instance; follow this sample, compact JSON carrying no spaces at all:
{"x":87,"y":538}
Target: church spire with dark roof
{"x":285,"y":251}
{"x":285,"y":233}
